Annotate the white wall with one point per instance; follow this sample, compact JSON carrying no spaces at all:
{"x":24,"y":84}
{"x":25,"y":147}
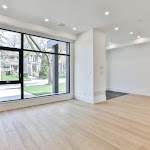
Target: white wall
{"x":128,"y":69}
{"x":83,"y":67}
{"x":89,"y":58}
{"x":99,"y":76}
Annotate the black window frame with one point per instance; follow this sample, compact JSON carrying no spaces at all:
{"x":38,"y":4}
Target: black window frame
{"x":21,"y":71}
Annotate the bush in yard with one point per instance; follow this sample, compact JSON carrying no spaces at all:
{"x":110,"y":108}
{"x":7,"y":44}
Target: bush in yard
{"x":25,"y":74}
{"x":11,"y":72}
{"x":7,"y":73}
{"x":44,"y":70}
{"x":43,"y":75}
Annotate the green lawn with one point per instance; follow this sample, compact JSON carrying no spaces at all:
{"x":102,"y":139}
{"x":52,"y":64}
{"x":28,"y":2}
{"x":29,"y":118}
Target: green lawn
{"x":14,"y":78}
{"x":62,"y":76}
{"x":43,"y":89}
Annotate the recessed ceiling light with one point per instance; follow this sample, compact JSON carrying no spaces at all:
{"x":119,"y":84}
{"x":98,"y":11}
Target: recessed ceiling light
{"x":110,"y":43}
{"x":74,"y":29}
{"x":131,"y":33}
{"x":107,"y":13}
{"x":61,"y":24}
{"x":138,"y":37}
{"x":117,"y":28}
{"x":140,"y":21}
{"x":4,"y":6}
{"x":46,"y":20}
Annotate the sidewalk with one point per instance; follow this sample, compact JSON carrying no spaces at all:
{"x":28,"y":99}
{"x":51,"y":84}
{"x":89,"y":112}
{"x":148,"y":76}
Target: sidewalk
{"x":12,"y":91}
{"x":13,"y":94}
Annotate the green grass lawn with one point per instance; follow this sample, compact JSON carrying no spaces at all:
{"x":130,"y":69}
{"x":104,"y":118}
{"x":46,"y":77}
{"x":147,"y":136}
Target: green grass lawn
{"x":43,"y":89}
{"x":62,"y":76}
{"x":14,"y":78}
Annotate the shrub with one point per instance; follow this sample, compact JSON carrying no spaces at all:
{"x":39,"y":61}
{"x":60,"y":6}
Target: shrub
{"x":11,"y":72}
{"x":7,"y":73}
{"x":25,"y":74}
{"x":43,"y":74}
{"x":44,"y":69}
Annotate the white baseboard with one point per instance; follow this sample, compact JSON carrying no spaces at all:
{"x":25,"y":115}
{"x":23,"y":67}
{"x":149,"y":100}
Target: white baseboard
{"x":83,"y":98}
{"x":91,"y":100}
{"x":145,"y":93}
{"x":100,"y":99}
{"x":34,"y":101}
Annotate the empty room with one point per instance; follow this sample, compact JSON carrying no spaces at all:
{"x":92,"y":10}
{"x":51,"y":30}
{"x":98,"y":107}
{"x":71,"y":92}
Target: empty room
{"x":74,"y":75}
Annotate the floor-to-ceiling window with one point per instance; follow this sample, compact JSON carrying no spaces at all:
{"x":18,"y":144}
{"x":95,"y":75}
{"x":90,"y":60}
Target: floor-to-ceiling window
{"x":32,"y":66}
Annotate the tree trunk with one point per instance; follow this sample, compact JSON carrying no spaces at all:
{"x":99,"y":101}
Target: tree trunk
{"x":49,"y":74}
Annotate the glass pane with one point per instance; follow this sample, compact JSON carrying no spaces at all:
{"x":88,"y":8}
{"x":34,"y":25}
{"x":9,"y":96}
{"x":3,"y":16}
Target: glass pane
{"x":10,"y":92}
{"x":36,"y":43}
{"x":63,"y":70}
{"x":43,"y":44}
{"x":9,"y":65}
{"x":10,"y":39}
{"x":38,"y":70}
{"x":63,"y":47}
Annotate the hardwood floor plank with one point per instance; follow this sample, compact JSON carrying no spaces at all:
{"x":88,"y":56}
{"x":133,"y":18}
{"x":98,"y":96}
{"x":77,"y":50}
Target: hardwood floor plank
{"x":107,"y":132}
{"x":121,"y":123}
{"x":14,"y":141}
{"x":25,"y":136}
{"x":3,"y":140}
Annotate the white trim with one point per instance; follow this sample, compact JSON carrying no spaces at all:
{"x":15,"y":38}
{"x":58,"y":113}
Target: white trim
{"x":100,"y":99}
{"x":84,"y":98}
{"x":129,"y":43}
{"x":91,"y":100}
{"x":130,"y":91}
{"x":34,"y":101}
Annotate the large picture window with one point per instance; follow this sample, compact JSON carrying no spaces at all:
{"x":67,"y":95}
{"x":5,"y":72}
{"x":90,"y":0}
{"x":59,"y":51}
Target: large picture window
{"x":32,"y":66}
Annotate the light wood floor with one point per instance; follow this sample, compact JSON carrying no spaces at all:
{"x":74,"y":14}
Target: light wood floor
{"x":121,"y":123}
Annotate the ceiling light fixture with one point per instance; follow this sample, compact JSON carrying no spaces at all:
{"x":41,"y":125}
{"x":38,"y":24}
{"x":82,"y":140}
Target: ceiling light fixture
{"x":117,"y":28}
{"x":107,"y":13}
{"x":4,"y":6}
{"x":46,"y":20}
{"x":138,"y":37}
{"x":140,"y":21}
{"x":61,"y":24}
{"x":131,"y":33}
{"x":110,"y":43}
{"x":74,"y":29}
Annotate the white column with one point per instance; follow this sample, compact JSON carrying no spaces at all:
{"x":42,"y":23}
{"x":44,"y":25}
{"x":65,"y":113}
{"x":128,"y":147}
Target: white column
{"x":99,"y":75}
{"x":0,"y":68}
{"x":89,"y":67}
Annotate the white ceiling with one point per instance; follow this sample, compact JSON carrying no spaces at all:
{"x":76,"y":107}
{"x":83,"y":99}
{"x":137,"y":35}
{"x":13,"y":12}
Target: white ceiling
{"x":84,"y":15}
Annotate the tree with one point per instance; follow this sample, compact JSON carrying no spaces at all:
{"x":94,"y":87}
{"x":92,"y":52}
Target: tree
{"x":44,"y":70}
{"x":30,"y":42}
{"x":9,"y":40}
{"x":40,"y":44}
